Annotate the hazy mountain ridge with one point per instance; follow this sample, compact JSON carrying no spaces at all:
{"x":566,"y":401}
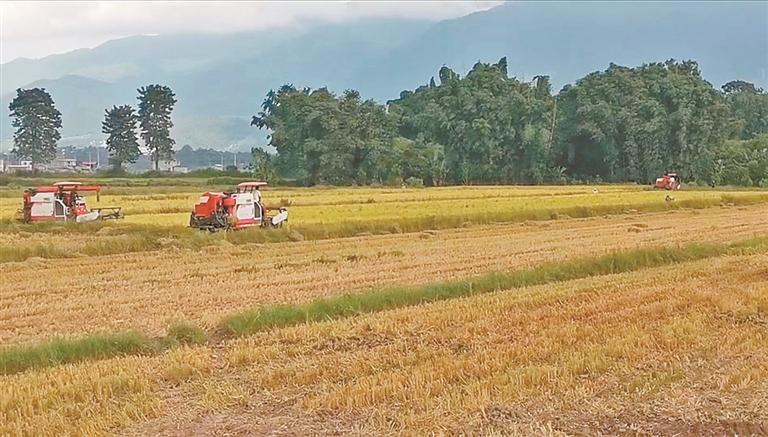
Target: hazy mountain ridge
{"x":220,"y":80}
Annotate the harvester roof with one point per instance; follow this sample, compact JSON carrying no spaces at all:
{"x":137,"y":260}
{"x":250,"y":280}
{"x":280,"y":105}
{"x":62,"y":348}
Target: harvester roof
{"x":253,"y":184}
{"x":67,"y":186}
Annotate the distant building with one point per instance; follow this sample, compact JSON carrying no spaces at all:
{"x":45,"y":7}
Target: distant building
{"x":88,"y":166}
{"x":21,"y":166}
{"x":172,"y":166}
{"x":62,"y":164}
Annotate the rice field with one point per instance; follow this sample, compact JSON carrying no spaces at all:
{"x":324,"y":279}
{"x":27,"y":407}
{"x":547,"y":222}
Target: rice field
{"x":670,"y":350}
{"x":654,"y":350}
{"x":140,"y":290}
{"x":331,"y":206}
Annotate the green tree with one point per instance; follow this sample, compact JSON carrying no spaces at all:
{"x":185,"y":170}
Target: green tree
{"x":155,"y":106}
{"x":37,"y":123}
{"x":262,"y":165}
{"x":749,"y":105}
{"x":632,"y":124}
{"x":327,"y":138}
{"x":742,"y":162}
{"x":120,"y":127}
{"x":488,"y":127}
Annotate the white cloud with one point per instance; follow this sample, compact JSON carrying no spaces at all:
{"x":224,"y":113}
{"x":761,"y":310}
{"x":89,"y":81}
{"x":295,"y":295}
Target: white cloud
{"x":35,"y":29}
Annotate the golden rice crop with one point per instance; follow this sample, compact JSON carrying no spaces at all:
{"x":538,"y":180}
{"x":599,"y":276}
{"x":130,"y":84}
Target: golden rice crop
{"x":150,"y":200}
{"x":331,"y":205}
{"x":330,"y":208}
{"x":149,"y":291}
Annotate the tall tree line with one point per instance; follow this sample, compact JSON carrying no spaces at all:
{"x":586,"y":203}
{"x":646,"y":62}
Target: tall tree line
{"x":324,"y":138}
{"x":38,"y":122}
{"x":621,"y":124}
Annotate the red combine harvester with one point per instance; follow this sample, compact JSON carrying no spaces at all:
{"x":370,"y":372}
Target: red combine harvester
{"x":237,"y":210}
{"x":63,"y":202}
{"x":670,"y":181}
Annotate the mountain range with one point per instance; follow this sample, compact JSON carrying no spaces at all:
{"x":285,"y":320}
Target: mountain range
{"x":221,"y":80}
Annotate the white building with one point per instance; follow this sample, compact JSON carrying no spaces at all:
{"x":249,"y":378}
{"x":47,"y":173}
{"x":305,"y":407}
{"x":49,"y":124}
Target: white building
{"x":63,"y":164}
{"x":21,"y":166}
{"x":172,"y":166}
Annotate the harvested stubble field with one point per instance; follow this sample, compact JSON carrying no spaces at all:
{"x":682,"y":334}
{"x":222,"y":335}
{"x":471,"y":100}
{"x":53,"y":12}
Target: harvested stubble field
{"x":150,"y":291}
{"x":659,"y":350}
{"x":662,"y":351}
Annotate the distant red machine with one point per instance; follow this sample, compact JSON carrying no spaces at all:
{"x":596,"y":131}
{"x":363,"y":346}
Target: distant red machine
{"x":63,"y":201}
{"x":235,"y":210}
{"x":670,"y":181}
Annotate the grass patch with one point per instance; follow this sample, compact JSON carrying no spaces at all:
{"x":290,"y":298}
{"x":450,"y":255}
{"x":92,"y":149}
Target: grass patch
{"x":278,"y":316}
{"x":121,"y":244}
{"x":18,"y":358}
{"x":21,"y":252}
{"x":186,"y":333}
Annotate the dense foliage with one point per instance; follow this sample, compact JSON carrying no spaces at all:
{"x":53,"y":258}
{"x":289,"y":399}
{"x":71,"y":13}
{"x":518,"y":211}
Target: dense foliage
{"x":750,"y":107}
{"x":487,"y":127}
{"x":120,"y":127}
{"x":742,"y":162}
{"x":632,"y":124}
{"x":327,"y":138}
{"x":37,"y":123}
{"x":155,"y":106}
{"x":621,"y":124}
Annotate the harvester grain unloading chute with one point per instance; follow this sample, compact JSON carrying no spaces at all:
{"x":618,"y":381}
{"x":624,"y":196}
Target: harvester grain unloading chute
{"x":239,"y":209}
{"x":63,"y":201}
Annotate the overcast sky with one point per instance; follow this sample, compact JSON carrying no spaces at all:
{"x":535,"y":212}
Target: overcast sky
{"x":37,"y":29}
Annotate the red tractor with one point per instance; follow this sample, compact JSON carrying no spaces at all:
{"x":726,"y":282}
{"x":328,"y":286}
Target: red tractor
{"x":670,"y":181}
{"x":63,"y":201}
{"x":235,"y":210}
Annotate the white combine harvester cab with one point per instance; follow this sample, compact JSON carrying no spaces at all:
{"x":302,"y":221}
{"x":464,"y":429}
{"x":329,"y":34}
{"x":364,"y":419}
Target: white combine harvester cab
{"x":247,"y":212}
{"x":63,"y":202}
{"x":248,"y":204}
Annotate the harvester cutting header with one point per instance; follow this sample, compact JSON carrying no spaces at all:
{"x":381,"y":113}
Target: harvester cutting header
{"x":235,"y":210}
{"x":64,"y":201}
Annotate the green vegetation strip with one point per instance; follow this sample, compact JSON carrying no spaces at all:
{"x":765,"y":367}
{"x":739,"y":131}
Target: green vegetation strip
{"x":279,"y":316}
{"x":17,"y":358}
